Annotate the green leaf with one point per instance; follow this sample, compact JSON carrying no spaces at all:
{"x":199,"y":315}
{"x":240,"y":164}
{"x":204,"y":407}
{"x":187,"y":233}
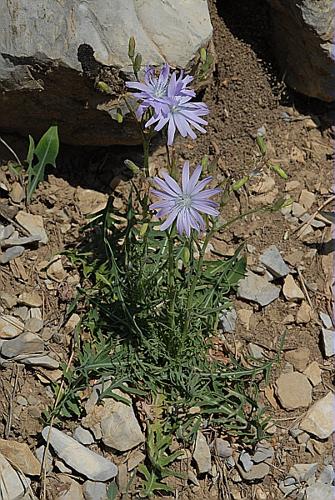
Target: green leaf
{"x":261,"y":143}
{"x":46,"y":152}
{"x":281,"y":172}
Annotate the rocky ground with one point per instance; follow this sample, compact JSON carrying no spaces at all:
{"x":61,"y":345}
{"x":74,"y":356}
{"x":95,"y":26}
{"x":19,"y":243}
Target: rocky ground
{"x":285,"y":295}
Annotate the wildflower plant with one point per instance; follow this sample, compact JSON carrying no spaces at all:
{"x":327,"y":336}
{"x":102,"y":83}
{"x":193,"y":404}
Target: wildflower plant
{"x":155,"y":296}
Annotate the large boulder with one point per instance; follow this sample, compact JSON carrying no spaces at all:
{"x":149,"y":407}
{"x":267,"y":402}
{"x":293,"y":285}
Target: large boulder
{"x":53,"y":53}
{"x":304,"y":43}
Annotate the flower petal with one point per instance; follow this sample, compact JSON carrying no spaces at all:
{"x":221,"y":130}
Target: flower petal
{"x":185,"y":176}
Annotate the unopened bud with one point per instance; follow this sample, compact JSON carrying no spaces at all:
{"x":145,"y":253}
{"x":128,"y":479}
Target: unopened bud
{"x":131,"y":47}
{"x":281,"y":172}
{"x":104,"y":87}
{"x":137,"y":63}
{"x":132,"y":166}
{"x":203,"y":55}
{"x":238,"y":184}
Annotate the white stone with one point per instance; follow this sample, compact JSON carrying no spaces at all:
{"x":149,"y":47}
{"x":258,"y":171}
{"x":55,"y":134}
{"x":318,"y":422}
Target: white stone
{"x":10,"y":327}
{"x":33,"y":224}
{"x":13,"y":484}
{"x":257,"y":289}
{"x":328,"y":339}
{"x":202,"y":454}
{"x":319,"y":419}
{"x":95,"y":491}
{"x":274,"y":262}
{"x":291,"y":290}
{"x":294,"y":390}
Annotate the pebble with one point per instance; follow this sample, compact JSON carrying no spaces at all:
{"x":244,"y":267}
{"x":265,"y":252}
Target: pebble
{"x":33,"y":224}
{"x":43,"y":361}
{"x":294,"y":390}
{"x":328,"y":340}
{"x":307,"y":199}
{"x":56,"y":271}
{"x":327,"y":475}
{"x":255,"y":351}
{"x":257,"y":289}
{"x":95,"y":491}
{"x":71,"y":323}
{"x":8,"y":300}
{"x":291,"y":290}
{"x":20,"y":456}
{"x":263,"y":451}
{"x":292,"y":185}
{"x":319,"y":420}
{"x":317,"y":224}
{"x":258,"y":471}
{"x":21,"y":312}
{"x":119,"y":426}
{"x":75,"y":455}
{"x":319,"y":491}
{"x":299,"y":358}
{"x":297,"y":210}
{"x":25,"y":344}
{"x":17,"y":193}
{"x":11,"y":254}
{"x":70,"y":489}
{"x":303,"y":472}
{"x":6,"y":231}
{"x":33,"y":325}
{"x":304,"y":314}
{"x":16,"y":240}
{"x":326,"y":320}
{"x":202,"y":454}
{"x":313,"y":373}
{"x":228,"y":320}
{"x":62,"y":467}
{"x":39,"y":452}
{"x":274,"y":262}
{"x":135,"y":458}
{"x":10,"y":327}
{"x":83,"y":436}
{"x":222,"y":448}
{"x":90,"y":201}
{"x":30,"y":299}
{"x":13,"y":484}
{"x":21,"y":400}
{"x":245,"y":460}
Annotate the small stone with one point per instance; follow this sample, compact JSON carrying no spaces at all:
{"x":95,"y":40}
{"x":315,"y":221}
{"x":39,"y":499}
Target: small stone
{"x":255,"y":351}
{"x":75,"y":455}
{"x":294,"y":390}
{"x":6,"y":232}
{"x":123,"y":479}
{"x":95,"y":491}
{"x":319,"y":419}
{"x":43,"y":361}
{"x":297,"y":210}
{"x":202,"y":454}
{"x":299,"y":358}
{"x":10,"y":327}
{"x":258,"y":471}
{"x":274,"y":262}
{"x":69,"y":489}
{"x":11,"y":254}
{"x":33,"y":224}
{"x":326,"y":320}
{"x":33,"y":325}
{"x":56,"y":271}
{"x":71,"y":323}
{"x":223,"y":448}
{"x":320,"y":491}
{"x":304,"y":314}
{"x":260,"y":494}
{"x":244,"y":315}
{"x":303,"y":472}
{"x":119,"y":426}
{"x":35,"y":312}
{"x":25,"y":344}
{"x":30,"y":299}
{"x":246,"y":461}
{"x":264,"y":185}
{"x":328,"y":340}
{"x":292,"y":185}
{"x":13,"y":484}
{"x":291,"y":290}
{"x":135,"y":458}
{"x":257,"y":289}
{"x":8,"y":300}
{"x":89,"y":201}
{"x":39,"y":452}
{"x":228,"y":320}
{"x":20,"y":456}
{"x":317,"y":224}
{"x":263,"y":451}
{"x":307,"y":199}
{"x":303,"y":438}
{"x":327,"y":475}
{"x":313,"y":373}
{"x":21,"y":312}
{"x":21,"y":400}
{"x":17,"y":193}
{"x":20,"y":241}
{"x":62,"y":467}
{"x":83,"y":436}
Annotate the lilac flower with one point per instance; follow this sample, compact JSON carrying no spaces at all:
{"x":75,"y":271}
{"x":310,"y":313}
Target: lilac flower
{"x":155,"y":88}
{"x":183,"y":203}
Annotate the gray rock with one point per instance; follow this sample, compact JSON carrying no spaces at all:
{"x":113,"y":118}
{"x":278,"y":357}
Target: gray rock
{"x":43,"y":361}
{"x":70,"y":489}
{"x":39,"y":452}
{"x":202,"y":454}
{"x":8,"y":300}
{"x":119,"y":426}
{"x":33,"y":325}
{"x":319,"y":420}
{"x":274,"y":262}
{"x":25,"y":344}
{"x":326,"y":320}
{"x":10,"y":327}
{"x":258,"y":471}
{"x":223,"y":448}
{"x":95,"y":491}
{"x":24,"y":240}
{"x":327,"y":475}
{"x":255,"y":351}
{"x":11,"y":254}
{"x":91,"y":38}
{"x":228,"y":320}
{"x":320,"y":491}
{"x":75,"y":455}
{"x":62,"y":467}
{"x":83,"y":436}
{"x":32,"y":223}
{"x":246,"y":461}
{"x":303,"y":40}
{"x":328,"y":340}
{"x":13,"y":484}
{"x":303,"y":472}
{"x":6,"y":231}
{"x":294,"y":390}
{"x":257,"y":289}
{"x":263,"y":451}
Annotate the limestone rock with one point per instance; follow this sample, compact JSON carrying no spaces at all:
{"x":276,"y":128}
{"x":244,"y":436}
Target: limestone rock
{"x":25,"y":344}
{"x":10,"y":327}
{"x":298,"y":358}
{"x":319,"y":419}
{"x":32,"y":223}
{"x":13,"y":484}
{"x":20,"y":455}
{"x":257,"y":289}
{"x":90,"y":44}
{"x":75,"y":455}
{"x":294,"y":390}
{"x":274,"y":262}
{"x":313,"y":373}
{"x":304,"y":44}
{"x":202,"y":454}
{"x":95,"y":491}
{"x":291,"y":290}
{"x":70,"y":489}
{"x":328,"y":339}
